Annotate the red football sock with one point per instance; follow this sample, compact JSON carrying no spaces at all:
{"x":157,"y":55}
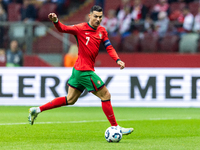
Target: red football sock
{"x":108,"y":110}
{"x":57,"y":102}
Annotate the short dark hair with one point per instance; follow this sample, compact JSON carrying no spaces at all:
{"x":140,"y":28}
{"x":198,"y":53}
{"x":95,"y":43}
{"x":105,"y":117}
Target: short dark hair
{"x":96,"y":8}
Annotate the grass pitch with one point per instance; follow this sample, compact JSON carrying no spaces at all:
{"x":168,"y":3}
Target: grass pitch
{"x":82,"y":128}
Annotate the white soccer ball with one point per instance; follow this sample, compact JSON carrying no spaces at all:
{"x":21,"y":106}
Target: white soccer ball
{"x":113,"y":134}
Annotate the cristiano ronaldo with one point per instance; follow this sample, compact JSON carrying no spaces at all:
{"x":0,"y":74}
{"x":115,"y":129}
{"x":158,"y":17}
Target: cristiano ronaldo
{"x":89,"y":35}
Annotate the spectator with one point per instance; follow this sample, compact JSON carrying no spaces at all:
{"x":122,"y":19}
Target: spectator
{"x":120,"y":12}
{"x":2,"y":57}
{"x":197,"y":22}
{"x":5,"y":5}
{"x":71,"y":57}
{"x":177,"y":19}
{"x":188,"y":19}
{"x":124,"y":17}
{"x":3,"y":16}
{"x":189,"y":40}
{"x":148,"y":25}
{"x":14,"y":56}
{"x":138,"y":15}
{"x":139,"y":11}
{"x":125,"y":23}
{"x":161,"y":6}
{"x":110,"y":22}
{"x":161,"y":25}
{"x":28,"y":11}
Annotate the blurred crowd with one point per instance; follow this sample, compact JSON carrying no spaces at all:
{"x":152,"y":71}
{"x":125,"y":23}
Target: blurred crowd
{"x":29,"y":9}
{"x":165,"y":17}
{"x":133,"y":15}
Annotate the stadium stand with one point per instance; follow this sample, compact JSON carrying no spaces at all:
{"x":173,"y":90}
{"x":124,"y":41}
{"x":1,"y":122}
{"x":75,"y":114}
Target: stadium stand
{"x":14,"y":12}
{"x":115,"y":41}
{"x":169,"y":44}
{"x":49,"y":43}
{"x":194,"y":6}
{"x":149,"y":43}
{"x":130,"y":43}
{"x":110,"y":5}
{"x":44,"y":11}
{"x":79,"y":15}
{"x":189,"y":43}
{"x":34,"y":61}
{"x":177,"y":6}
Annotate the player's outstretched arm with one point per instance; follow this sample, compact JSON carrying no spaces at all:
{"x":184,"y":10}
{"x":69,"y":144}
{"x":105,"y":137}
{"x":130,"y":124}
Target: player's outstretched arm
{"x":121,"y":64}
{"x":61,"y":27}
{"x":53,"y":17}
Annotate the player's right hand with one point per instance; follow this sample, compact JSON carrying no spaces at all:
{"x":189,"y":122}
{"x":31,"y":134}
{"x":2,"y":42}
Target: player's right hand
{"x":53,"y":17}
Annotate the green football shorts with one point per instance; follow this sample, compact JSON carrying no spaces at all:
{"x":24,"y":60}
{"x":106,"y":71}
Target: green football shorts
{"x":85,"y":79}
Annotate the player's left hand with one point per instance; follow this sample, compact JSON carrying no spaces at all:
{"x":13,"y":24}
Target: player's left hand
{"x":121,"y":63}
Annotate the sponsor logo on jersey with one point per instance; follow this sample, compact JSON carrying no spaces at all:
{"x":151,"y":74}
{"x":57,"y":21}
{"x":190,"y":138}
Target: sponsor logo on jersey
{"x":87,"y":33}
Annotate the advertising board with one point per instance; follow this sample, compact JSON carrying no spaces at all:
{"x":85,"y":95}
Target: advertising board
{"x":131,"y":87}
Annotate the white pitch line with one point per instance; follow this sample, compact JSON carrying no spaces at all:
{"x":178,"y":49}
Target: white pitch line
{"x":86,"y":121}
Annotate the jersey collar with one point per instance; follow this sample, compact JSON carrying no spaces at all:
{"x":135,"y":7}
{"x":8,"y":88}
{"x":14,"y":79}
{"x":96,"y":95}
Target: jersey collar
{"x":91,"y":26}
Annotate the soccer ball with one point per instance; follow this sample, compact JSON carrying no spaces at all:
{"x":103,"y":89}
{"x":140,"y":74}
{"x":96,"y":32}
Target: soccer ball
{"x":113,"y":134}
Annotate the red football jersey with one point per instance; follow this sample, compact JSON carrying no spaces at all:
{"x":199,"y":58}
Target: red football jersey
{"x":88,"y":40}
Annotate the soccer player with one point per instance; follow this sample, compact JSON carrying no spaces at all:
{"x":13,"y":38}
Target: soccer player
{"x":89,"y":36}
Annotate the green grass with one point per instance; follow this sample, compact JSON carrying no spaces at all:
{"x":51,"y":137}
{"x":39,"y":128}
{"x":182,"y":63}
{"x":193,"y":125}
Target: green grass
{"x":61,"y":128}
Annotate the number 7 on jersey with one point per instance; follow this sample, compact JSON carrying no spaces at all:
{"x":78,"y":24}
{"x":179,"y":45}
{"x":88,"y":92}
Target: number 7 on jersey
{"x":87,"y":38}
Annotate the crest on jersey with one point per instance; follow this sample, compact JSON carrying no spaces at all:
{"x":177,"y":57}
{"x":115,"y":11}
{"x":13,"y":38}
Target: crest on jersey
{"x":100,"y":35}
{"x":99,"y":82}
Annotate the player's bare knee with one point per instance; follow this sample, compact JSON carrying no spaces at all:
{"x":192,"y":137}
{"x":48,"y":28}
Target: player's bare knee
{"x":71,"y":103}
{"x":71,"y":100}
{"x":106,"y":95}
